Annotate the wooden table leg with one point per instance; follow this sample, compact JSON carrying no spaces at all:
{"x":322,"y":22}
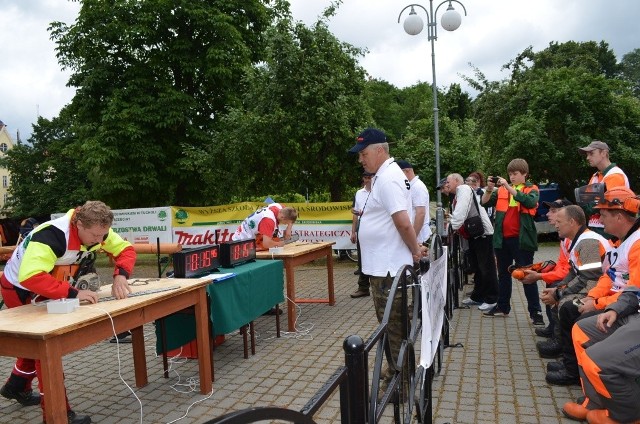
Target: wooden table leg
{"x":291,"y":295}
{"x":243,"y":332}
{"x":139,"y":357}
{"x":53,"y":383}
{"x":278,"y":320}
{"x":332,"y":296}
{"x":202,"y":339}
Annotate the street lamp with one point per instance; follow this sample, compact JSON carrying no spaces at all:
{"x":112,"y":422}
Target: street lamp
{"x":413,"y":26}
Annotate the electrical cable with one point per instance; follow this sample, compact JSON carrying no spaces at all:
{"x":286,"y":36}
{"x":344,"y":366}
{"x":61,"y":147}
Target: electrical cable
{"x":115,"y":334}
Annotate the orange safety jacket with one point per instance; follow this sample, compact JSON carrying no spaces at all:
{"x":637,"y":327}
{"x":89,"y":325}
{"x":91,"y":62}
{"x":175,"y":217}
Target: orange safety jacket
{"x":527,"y":199}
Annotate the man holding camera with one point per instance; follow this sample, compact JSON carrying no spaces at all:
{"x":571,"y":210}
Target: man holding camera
{"x":515,"y":238}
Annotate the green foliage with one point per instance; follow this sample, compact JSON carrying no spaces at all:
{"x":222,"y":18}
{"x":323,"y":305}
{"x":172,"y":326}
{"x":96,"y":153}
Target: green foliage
{"x":630,"y":70}
{"x":151,"y":77}
{"x":46,"y":175}
{"x":299,"y":113}
{"x":563,"y":99}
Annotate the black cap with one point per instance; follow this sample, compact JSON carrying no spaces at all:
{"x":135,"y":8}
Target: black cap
{"x":441,"y":183}
{"x":557,"y":204}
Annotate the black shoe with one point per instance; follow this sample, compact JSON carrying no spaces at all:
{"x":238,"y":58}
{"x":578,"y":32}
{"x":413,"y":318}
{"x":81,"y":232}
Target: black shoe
{"x":356,"y":272}
{"x":562,"y":378}
{"x":25,"y":398}
{"x":124,"y":337}
{"x":549,"y":349}
{"x":544,"y":332}
{"x":537,"y":319}
{"x":554,"y":366}
{"x":360,"y":293}
{"x":73,"y":418}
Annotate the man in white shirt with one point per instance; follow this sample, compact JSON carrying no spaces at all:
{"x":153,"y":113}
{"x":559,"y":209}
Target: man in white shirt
{"x":420,"y":202}
{"x":387,"y":238}
{"x":359,"y":203}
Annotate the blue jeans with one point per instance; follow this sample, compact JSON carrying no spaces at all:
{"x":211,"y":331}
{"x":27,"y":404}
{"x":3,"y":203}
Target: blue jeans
{"x":506,"y":256}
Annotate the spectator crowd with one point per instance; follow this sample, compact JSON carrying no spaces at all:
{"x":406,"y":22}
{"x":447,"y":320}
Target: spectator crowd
{"x":591,"y":293}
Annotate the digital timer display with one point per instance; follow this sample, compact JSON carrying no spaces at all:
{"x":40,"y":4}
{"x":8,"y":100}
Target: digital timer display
{"x":196,"y":262}
{"x":237,"y":252}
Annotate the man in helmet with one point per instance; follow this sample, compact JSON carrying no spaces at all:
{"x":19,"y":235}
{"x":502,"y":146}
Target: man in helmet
{"x":608,"y":383}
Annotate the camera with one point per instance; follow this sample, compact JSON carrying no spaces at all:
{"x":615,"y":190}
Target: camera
{"x":494,"y":180}
{"x":577,"y":302}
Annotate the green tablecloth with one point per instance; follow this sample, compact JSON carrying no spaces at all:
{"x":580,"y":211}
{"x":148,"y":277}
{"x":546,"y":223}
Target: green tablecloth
{"x":256,"y":288}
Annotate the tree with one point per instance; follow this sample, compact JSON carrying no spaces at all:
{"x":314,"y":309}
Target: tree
{"x":630,"y":71}
{"x":152,"y":78}
{"x":554,"y":105}
{"x":300,"y":112}
{"x":46,"y":175}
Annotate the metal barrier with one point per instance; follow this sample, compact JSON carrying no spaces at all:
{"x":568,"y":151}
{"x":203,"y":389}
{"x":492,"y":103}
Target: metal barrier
{"x":409,"y":389}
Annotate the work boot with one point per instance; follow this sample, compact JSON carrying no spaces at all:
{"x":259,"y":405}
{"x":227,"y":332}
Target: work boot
{"x":575,"y":411}
{"x":554,"y":366}
{"x":24,"y":398}
{"x":562,"y":377}
{"x":73,"y":418}
{"x":544,"y":332}
{"x":549,"y":348}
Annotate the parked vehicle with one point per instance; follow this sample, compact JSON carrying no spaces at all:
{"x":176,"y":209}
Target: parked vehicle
{"x":548,"y":193}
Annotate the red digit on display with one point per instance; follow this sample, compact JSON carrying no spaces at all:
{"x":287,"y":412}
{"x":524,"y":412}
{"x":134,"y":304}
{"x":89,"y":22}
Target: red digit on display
{"x":245,"y":250}
{"x":236,"y":252}
{"x":193,"y":262}
{"x":206,"y":258}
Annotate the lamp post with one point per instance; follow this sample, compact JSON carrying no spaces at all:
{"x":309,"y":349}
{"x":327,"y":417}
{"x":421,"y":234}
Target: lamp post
{"x":413,"y":26}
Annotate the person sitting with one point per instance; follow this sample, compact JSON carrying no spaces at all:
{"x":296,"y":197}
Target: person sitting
{"x":553,"y":277}
{"x":585,"y":252}
{"x":611,"y":386}
{"x":621,"y":266}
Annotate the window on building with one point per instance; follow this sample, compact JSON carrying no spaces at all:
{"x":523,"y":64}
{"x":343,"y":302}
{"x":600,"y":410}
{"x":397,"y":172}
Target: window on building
{"x":5,"y":181}
{"x":3,"y":147}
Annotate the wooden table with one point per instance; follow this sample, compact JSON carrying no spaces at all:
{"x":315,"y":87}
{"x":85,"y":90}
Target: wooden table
{"x":295,"y":254}
{"x":29,"y":332}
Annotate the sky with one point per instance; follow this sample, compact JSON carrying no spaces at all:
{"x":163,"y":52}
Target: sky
{"x":492,"y":33}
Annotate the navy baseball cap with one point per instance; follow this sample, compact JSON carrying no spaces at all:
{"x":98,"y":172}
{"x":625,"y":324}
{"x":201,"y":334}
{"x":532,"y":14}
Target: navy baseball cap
{"x":557,"y":204}
{"x":367,"y":137}
{"x":403,"y":164}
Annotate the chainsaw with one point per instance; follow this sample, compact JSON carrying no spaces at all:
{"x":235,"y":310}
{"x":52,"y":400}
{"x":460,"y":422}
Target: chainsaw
{"x":518,"y":272}
{"x":90,"y":281}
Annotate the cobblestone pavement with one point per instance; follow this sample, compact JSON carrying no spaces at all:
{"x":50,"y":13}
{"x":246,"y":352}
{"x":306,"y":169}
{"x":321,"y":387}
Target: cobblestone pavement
{"x":496,"y":377}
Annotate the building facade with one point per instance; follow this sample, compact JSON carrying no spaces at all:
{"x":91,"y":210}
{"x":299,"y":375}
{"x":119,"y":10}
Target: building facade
{"x":6,"y":143}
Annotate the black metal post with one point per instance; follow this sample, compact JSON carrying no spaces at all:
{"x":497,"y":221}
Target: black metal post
{"x":356,"y":397}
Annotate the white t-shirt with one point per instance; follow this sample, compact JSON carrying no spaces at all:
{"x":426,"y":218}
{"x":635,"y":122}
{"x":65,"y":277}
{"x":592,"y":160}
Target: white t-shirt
{"x":360,"y":199}
{"x":420,"y":197}
{"x":382,"y":250}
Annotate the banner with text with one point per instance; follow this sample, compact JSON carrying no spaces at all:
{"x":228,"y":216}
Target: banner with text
{"x":434,"y":295}
{"x":196,"y":226}
{"x":144,"y":225}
